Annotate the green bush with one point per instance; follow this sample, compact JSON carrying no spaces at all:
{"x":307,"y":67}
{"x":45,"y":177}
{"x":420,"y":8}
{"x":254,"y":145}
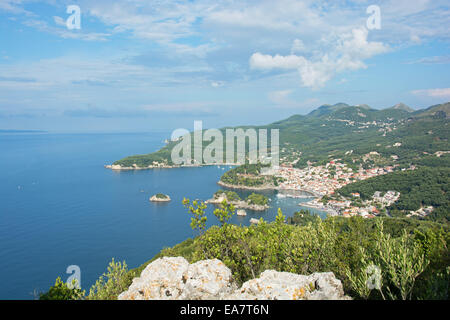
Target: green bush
{"x":116,"y":280}
{"x":411,"y":258}
{"x":257,"y":199}
{"x":61,"y":291}
{"x":231,"y":195}
{"x":412,"y":263}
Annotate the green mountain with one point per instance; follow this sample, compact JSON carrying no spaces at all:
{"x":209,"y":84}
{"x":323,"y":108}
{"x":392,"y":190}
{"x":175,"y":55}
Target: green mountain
{"x":439,"y":111}
{"x":401,"y":106}
{"x":349,"y":132}
{"x":327,"y":109}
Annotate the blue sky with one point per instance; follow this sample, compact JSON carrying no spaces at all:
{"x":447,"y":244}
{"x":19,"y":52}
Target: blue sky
{"x":159,"y":65}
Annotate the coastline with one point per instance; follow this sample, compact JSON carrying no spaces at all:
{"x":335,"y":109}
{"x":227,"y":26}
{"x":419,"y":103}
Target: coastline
{"x":240,"y":205}
{"x":118,"y":167}
{"x":328,"y":210}
{"x":238,"y":187}
{"x":311,"y":194}
{"x":220,"y":183}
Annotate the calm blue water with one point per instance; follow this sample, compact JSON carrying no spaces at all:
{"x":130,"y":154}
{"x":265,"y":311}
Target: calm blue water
{"x":59,"y":206}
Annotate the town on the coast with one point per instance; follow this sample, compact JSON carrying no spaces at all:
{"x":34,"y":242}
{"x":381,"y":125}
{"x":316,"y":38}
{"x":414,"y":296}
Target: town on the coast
{"x":322,"y":182}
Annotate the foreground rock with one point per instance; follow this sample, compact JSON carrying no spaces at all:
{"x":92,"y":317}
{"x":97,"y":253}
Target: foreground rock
{"x":274,"y":285}
{"x":173,"y":278}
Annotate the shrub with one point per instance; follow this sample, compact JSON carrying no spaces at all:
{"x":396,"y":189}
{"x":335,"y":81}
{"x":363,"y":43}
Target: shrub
{"x":116,"y":280}
{"x":61,"y":291}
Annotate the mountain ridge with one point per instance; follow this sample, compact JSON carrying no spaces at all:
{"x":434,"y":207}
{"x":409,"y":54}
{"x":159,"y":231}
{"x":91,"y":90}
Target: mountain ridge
{"x":335,"y":130}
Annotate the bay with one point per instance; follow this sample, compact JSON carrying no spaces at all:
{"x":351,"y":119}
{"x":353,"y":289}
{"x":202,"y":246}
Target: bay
{"x":59,"y":206}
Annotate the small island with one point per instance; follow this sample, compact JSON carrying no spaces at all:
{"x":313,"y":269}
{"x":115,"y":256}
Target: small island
{"x":159,"y":197}
{"x":255,"y":202}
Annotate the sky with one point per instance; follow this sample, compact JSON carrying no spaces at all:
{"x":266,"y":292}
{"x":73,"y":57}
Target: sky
{"x":141,"y":66}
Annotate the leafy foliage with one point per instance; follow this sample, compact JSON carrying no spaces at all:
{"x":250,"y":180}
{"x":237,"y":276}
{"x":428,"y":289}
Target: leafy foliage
{"x":61,"y":291}
{"x":257,"y":199}
{"x":247,"y":175}
{"x":254,"y":198}
{"x":230,"y":195}
{"x":197,"y":209}
{"x":224,"y":212}
{"x":412,"y":256}
{"x":112,"y":283}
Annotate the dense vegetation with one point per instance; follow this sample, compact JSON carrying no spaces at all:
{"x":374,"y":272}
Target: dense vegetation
{"x":254,"y":198}
{"x":258,"y":199}
{"x":161,"y":156}
{"x":230,"y":195}
{"x":418,"y":267}
{"x":331,"y":131}
{"x":419,"y":188}
{"x":63,"y":291}
{"x":410,"y":257}
{"x":248,"y":175}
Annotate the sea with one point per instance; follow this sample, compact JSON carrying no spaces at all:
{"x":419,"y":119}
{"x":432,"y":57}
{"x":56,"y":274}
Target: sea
{"x":60,"y":207}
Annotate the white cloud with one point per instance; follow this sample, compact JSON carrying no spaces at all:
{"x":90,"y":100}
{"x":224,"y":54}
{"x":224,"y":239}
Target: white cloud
{"x":347,"y":52}
{"x":13,"y":6}
{"x":434,"y":93}
{"x":59,"y":21}
{"x":268,"y":62}
{"x":191,"y":107}
{"x":279,"y":97}
{"x":154,"y":20}
{"x":213,"y":39}
{"x":165,"y":20}
{"x":217,"y":84}
{"x":282,"y":99}
{"x":431,"y":60}
{"x":62,"y":30}
{"x":298,"y":46}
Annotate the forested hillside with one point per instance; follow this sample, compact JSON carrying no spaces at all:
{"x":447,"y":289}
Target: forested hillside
{"x":333,"y":131}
